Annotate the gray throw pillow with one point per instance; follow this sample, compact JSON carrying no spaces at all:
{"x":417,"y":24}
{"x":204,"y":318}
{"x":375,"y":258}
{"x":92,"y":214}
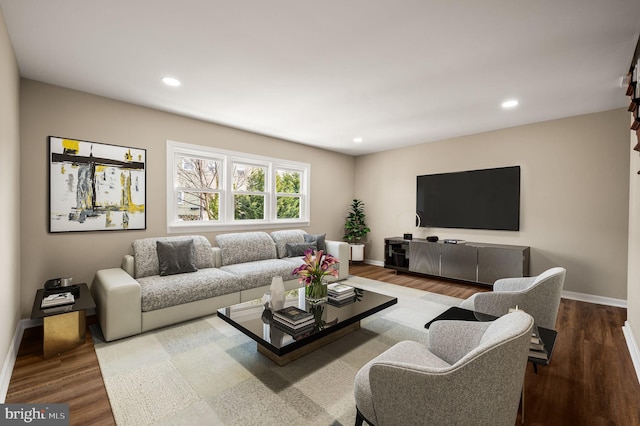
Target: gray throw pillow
{"x":298,"y":249}
{"x":176,"y":257}
{"x":319,"y":239}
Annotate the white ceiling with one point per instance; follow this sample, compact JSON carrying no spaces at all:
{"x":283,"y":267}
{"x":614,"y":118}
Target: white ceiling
{"x":394,"y":72}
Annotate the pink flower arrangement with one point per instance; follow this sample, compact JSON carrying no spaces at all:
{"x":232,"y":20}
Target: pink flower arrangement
{"x":316,"y":266}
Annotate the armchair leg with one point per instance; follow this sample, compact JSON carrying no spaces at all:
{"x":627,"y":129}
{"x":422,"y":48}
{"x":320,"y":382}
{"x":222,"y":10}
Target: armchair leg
{"x":360,"y":419}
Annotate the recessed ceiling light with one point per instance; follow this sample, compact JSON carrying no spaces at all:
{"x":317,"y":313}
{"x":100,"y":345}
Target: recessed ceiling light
{"x":511,"y":103}
{"x":358,"y":140}
{"x":170,"y":81}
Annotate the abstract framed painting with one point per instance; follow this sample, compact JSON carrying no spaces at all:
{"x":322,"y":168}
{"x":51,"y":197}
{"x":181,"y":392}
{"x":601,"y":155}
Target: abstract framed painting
{"x":95,"y":186}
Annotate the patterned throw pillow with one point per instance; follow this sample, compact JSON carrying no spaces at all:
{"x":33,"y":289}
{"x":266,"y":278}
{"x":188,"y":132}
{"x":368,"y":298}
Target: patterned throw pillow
{"x":176,"y":257}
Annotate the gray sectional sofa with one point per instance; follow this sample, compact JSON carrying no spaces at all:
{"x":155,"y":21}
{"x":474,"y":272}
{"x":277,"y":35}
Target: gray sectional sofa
{"x":146,"y":292}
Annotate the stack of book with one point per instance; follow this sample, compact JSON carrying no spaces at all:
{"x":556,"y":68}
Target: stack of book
{"x":57,"y":299}
{"x":340,"y":294}
{"x":293,"y":320}
{"x":536,"y":348}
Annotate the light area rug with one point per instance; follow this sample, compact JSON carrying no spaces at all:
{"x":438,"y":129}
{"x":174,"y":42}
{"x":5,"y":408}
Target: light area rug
{"x":205,"y":372}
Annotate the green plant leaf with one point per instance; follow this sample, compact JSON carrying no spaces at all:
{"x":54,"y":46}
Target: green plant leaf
{"x":355,"y":226}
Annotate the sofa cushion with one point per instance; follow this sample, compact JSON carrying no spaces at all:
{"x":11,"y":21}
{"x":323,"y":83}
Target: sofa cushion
{"x":259,"y":273}
{"x":159,"y":292}
{"x":318,"y":239}
{"x":298,"y":249}
{"x":291,"y":236}
{"x":146,"y":256}
{"x":176,"y":257}
{"x":245,"y":247}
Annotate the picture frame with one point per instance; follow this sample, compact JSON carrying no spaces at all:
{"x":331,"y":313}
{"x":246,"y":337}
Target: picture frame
{"x":95,"y":186}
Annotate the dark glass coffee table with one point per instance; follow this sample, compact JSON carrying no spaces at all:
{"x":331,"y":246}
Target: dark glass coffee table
{"x":330,"y":323}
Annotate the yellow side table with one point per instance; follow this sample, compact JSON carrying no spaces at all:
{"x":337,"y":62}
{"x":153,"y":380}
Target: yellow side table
{"x":64,"y":326}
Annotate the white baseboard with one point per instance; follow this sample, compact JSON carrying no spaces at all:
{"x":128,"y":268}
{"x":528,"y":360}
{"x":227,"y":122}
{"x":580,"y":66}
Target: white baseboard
{"x":582,"y":297}
{"x":12,"y":354}
{"x":633,"y":347}
{"x":590,"y":298}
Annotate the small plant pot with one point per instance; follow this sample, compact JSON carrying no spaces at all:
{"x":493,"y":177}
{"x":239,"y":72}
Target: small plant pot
{"x":357,"y":252}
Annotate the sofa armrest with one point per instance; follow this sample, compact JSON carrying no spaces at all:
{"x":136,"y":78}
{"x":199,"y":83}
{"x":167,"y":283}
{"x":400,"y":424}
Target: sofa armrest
{"x":128,"y":265}
{"x":340,"y":250}
{"x":217,"y":256}
{"x":118,"y":303}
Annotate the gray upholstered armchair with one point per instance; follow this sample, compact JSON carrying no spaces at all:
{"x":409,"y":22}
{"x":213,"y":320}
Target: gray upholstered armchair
{"x":471,"y":373}
{"x":539,"y":296}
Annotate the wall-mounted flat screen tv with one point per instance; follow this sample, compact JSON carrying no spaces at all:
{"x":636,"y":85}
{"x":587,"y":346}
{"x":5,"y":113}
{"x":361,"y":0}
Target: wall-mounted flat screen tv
{"x":474,"y":199}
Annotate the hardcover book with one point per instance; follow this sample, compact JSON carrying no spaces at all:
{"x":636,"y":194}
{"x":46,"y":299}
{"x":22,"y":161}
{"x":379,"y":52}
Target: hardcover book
{"x":299,"y":325}
{"x":293,"y":314}
{"x":339,"y":288}
{"x":57,"y":300}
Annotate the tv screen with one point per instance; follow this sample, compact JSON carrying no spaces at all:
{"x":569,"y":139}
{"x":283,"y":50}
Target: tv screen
{"x":475,"y":199}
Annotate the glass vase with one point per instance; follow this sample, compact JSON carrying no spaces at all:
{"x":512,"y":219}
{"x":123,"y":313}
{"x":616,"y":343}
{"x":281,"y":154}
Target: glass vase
{"x":316,"y":292}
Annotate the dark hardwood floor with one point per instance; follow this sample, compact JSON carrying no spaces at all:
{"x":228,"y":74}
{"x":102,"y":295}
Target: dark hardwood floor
{"x":590,"y":381}
{"x":72,"y":378}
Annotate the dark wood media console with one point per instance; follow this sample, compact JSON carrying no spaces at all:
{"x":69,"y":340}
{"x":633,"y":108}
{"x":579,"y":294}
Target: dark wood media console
{"x":481,"y":263}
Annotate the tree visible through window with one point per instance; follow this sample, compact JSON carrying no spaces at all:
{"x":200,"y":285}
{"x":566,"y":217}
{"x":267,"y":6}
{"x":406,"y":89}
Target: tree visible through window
{"x":209,"y":189}
{"x":287,"y":194}
{"x":199,"y":183}
{"x":249,"y":192}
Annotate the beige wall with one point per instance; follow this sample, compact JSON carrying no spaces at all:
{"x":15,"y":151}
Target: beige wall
{"x":575,"y":186}
{"x":49,"y":110}
{"x":575,"y":191}
{"x":633,"y":285}
{"x":9,"y":194}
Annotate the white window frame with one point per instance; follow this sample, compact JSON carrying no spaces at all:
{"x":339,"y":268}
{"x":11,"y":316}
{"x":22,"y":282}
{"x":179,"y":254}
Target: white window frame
{"x":226,"y":220}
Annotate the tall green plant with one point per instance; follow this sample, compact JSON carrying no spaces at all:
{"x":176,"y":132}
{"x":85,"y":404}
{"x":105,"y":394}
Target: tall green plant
{"x":355,"y":227}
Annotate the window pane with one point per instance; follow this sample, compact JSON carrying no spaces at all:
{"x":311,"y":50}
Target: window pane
{"x":288,"y":207}
{"x":198,"y":172}
{"x":215,"y":189}
{"x":248,"y":178}
{"x":198,"y":206}
{"x":287,"y":182}
{"x":248,"y":207}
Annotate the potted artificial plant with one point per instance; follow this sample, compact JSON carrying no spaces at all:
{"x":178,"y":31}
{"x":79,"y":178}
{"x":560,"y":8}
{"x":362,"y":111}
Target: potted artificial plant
{"x":356,"y":230}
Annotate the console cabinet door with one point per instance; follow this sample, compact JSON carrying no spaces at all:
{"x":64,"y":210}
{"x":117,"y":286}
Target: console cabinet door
{"x":424,"y":258}
{"x":458,"y":261}
{"x":496,"y":262}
